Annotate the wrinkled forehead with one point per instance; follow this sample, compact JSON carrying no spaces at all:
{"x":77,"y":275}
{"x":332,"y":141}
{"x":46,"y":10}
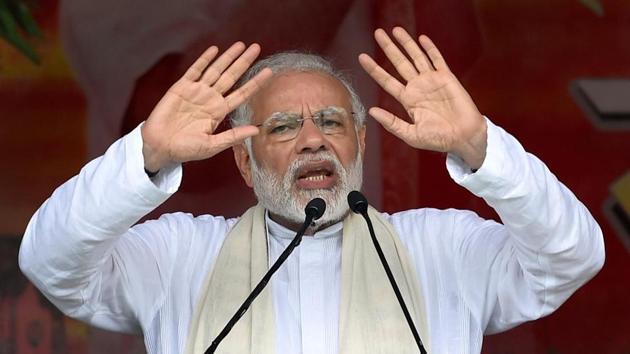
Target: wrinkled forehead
{"x":299,"y":92}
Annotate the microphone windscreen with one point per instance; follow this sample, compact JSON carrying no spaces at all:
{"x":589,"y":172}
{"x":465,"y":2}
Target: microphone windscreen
{"x":357,"y":202}
{"x":315,"y":208}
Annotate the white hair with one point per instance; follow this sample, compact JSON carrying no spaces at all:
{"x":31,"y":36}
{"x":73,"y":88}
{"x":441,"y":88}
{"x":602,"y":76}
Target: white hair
{"x":300,"y":62}
{"x":279,"y":195}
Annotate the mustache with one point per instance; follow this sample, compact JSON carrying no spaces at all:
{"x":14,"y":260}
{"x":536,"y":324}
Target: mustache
{"x":294,"y":167}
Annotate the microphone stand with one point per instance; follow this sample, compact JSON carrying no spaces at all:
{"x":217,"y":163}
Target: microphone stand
{"x":358,"y":204}
{"x":314,"y":210}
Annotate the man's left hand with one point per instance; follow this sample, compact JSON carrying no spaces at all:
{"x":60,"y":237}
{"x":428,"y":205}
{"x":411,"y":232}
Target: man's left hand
{"x":443,"y":115}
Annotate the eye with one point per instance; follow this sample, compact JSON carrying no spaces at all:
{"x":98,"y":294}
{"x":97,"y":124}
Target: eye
{"x":282,"y":125}
{"x":331,"y":122}
{"x":279,"y":129}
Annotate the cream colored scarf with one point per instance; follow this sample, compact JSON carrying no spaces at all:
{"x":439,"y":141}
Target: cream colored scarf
{"x":370,"y":318}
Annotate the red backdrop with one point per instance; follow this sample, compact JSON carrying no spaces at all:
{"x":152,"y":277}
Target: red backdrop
{"x":516,"y":58}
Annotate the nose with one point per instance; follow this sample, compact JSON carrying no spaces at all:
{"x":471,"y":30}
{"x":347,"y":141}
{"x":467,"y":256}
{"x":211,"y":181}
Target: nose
{"x":310,"y":138}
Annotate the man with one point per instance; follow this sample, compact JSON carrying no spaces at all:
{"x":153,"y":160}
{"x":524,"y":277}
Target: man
{"x":300,"y":135}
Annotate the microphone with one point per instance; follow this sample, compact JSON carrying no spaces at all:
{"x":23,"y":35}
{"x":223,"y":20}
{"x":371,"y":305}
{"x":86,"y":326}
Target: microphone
{"x":359,"y":205}
{"x":313,"y":210}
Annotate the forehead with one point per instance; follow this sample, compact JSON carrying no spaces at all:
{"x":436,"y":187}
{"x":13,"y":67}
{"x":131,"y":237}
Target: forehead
{"x":299,"y":91}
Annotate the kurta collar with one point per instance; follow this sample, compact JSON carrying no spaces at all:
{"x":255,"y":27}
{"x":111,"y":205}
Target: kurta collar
{"x":276,"y":230}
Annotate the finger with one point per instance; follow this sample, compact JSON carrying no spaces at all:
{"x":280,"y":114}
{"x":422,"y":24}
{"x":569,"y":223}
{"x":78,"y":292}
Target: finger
{"x":393,"y":124}
{"x":382,"y":77}
{"x":398,"y":59}
{"x":231,"y":137}
{"x":420,"y":60}
{"x":214,"y":71}
{"x":244,"y":92}
{"x":234,"y":72}
{"x":434,"y":54}
{"x":196,"y":69}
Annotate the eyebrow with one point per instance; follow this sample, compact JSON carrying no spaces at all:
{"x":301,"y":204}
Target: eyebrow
{"x":335,"y":109}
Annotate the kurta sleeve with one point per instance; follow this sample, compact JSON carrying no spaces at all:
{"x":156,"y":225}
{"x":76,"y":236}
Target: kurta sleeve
{"x":548,"y":245}
{"x":79,"y":250}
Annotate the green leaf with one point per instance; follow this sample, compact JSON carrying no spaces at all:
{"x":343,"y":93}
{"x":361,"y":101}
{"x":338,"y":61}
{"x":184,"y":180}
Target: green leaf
{"x":9,"y":31}
{"x":23,"y":16}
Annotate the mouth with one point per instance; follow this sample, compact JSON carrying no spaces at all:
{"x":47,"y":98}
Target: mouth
{"x":319,"y":175}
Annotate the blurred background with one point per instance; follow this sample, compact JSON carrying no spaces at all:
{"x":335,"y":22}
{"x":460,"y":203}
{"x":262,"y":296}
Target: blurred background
{"x":76,"y":75}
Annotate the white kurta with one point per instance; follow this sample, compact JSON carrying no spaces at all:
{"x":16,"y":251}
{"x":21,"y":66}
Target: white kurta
{"x":478,"y":276}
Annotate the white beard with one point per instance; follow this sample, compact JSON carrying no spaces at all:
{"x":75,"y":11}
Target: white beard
{"x":281,"y":197}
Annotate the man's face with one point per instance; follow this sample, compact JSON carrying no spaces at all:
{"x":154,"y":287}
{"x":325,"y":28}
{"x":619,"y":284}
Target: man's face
{"x":287,"y":174}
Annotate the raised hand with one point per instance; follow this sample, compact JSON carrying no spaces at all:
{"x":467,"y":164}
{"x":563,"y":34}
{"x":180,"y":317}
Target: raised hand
{"x":181,"y":126}
{"x":443,"y":117}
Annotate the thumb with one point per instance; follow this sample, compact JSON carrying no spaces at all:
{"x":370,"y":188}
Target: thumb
{"x":231,"y":137}
{"x":394,"y":124}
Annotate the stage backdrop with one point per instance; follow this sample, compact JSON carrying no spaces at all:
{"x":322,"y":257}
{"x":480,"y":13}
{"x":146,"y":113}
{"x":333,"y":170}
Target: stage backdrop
{"x":529,"y":65}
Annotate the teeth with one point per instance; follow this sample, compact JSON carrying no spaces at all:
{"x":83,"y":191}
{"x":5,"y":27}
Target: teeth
{"x":315,"y":178}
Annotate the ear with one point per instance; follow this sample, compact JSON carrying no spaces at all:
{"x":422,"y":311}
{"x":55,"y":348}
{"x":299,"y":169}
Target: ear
{"x":361,"y":137}
{"x":241,"y":157}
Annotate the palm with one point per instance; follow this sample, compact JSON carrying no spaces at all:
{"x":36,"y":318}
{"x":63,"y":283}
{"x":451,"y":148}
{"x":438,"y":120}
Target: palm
{"x":437,"y":105}
{"x":181,"y":126}
{"x":442,"y":116}
{"x":188,"y":115}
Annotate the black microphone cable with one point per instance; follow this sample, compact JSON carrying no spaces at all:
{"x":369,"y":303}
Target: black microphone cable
{"x":359,"y":205}
{"x":314,"y":210}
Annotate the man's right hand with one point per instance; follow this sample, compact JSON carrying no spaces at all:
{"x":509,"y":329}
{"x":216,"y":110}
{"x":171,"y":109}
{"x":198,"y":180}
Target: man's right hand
{"x":182,"y":124}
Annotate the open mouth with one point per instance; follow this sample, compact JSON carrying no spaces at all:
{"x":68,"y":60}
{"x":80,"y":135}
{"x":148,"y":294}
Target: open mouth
{"x":316,"y":175}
